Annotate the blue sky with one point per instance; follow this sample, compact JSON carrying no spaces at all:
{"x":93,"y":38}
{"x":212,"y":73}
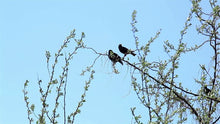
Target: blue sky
{"x":29,"y":28}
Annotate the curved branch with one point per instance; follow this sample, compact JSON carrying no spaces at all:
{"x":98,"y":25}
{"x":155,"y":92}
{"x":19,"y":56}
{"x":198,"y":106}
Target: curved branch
{"x":194,"y":94}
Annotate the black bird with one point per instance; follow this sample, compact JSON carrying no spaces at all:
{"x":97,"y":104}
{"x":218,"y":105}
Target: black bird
{"x":125,"y":50}
{"x":114,"y":57}
{"x":206,"y":90}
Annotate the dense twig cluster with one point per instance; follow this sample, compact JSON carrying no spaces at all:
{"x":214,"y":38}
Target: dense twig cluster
{"x":161,"y":93}
{"x":50,"y":113}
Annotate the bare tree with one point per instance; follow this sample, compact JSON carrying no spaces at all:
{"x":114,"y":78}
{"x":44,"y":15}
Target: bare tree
{"x":155,"y":82}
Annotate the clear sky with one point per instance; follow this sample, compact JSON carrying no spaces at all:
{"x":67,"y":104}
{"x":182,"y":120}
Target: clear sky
{"x":29,"y":28}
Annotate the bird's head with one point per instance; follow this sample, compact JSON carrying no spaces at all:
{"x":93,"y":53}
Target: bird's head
{"x":110,"y":51}
{"x":119,"y":46}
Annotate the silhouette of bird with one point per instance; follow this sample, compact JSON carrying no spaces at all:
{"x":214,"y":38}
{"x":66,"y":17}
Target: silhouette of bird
{"x":125,"y":50}
{"x":114,"y":57}
{"x":206,"y":90}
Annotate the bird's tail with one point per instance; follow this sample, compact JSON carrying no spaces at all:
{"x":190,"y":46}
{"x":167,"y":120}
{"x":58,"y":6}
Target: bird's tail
{"x":120,"y":62}
{"x":132,"y":53}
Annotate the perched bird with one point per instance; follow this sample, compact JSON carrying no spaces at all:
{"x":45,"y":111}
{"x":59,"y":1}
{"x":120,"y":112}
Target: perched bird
{"x":206,"y":90}
{"x":125,"y":50}
{"x":114,"y":57}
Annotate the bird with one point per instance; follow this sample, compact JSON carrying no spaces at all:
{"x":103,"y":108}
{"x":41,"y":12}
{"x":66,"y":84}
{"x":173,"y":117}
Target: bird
{"x":206,"y":90}
{"x":114,"y":57}
{"x":125,"y":50}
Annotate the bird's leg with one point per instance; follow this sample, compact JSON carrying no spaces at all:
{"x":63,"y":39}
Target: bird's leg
{"x":124,"y":56}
